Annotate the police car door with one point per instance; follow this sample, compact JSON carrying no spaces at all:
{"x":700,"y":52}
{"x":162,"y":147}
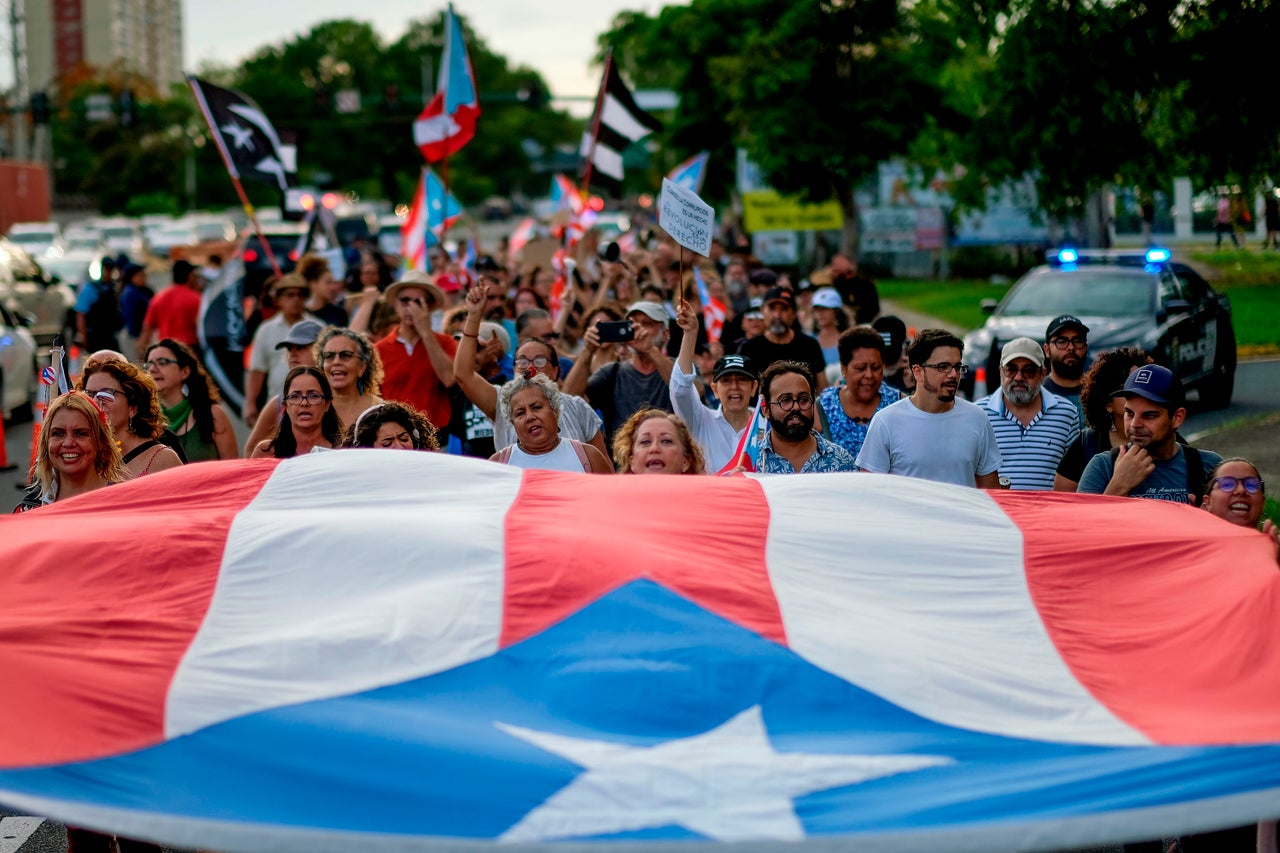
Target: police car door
{"x":1188,"y":335}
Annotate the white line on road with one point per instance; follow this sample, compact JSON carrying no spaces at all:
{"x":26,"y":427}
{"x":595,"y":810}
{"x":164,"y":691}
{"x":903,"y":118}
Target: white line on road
{"x":14,"y":832}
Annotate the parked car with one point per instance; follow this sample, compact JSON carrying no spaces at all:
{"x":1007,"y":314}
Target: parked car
{"x":36,"y":238}
{"x":74,"y":267}
{"x":174,"y":236}
{"x":29,"y":291}
{"x":1140,"y":299}
{"x":123,"y":235}
{"x":83,"y":238}
{"x":286,"y":240}
{"x":18,"y":368}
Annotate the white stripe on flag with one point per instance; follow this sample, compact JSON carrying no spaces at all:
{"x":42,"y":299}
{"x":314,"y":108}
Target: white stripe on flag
{"x":620,"y":120}
{"x":379,"y":593}
{"x":608,"y":162}
{"x":924,"y":629}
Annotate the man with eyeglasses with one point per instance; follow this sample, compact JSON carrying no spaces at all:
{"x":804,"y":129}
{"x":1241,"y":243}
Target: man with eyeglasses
{"x":1066,"y":345}
{"x":537,"y":323}
{"x":791,"y":445}
{"x":1153,"y":464}
{"x":1033,"y":426}
{"x":934,"y":435}
{"x":417,"y":361}
{"x":266,"y":366}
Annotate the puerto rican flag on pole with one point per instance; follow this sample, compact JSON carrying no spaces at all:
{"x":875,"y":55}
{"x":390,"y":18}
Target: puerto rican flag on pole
{"x":525,"y":231}
{"x":449,"y":121}
{"x":380,"y":650}
{"x":747,"y":454}
{"x":432,"y":211}
{"x":713,"y":310}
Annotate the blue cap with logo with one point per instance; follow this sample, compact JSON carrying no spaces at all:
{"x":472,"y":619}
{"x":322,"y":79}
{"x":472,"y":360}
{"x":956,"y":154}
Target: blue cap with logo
{"x":1155,"y":383}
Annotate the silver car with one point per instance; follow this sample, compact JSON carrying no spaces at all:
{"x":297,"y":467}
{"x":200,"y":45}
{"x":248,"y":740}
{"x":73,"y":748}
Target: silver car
{"x":18,"y":369}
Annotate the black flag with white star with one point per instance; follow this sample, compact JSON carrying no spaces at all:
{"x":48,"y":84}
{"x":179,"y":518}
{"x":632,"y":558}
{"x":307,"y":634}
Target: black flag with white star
{"x":249,"y":143}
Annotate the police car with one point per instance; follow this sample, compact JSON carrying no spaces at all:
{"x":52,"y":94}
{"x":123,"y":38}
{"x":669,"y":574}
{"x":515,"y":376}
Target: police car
{"x":1133,"y":298}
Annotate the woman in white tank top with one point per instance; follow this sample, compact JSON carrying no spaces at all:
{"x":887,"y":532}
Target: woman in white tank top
{"x":531,"y":404}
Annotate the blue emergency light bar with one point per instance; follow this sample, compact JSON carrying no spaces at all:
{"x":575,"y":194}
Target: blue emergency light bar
{"x":1068,"y":256}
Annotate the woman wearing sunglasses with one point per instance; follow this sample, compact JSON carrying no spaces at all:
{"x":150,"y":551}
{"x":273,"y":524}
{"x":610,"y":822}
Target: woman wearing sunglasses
{"x":577,"y":420}
{"x":128,"y":396}
{"x":309,"y":420}
{"x":191,"y":402}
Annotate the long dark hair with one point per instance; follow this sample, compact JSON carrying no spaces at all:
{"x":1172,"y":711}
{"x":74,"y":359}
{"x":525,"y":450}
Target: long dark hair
{"x":201,"y":392}
{"x":284,"y":443}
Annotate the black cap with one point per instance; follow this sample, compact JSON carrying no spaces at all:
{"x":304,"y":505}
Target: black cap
{"x":780,"y":294}
{"x":1155,"y":383}
{"x":109,"y":261}
{"x":894,"y":334}
{"x":733,"y":364}
{"x":611,"y":252}
{"x":1057,"y":324}
{"x":763,"y":278}
{"x":486,"y":263}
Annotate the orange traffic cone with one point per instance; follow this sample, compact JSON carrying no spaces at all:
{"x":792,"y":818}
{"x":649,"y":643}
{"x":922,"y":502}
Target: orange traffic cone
{"x":979,"y":382}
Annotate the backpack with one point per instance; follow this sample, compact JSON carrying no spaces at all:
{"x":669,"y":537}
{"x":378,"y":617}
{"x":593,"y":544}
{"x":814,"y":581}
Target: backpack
{"x":1195,"y":471}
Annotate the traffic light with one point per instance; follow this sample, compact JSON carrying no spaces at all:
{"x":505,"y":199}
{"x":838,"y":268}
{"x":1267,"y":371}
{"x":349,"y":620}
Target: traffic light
{"x":39,"y":108}
{"x":128,"y":108}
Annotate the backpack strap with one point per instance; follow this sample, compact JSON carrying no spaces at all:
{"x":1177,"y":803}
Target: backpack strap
{"x":1195,"y":473}
{"x":504,"y":455}
{"x":582,"y":454}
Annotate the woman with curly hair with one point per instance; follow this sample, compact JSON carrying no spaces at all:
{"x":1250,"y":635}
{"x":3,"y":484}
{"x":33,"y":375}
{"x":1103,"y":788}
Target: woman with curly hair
{"x":128,"y":396}
{"x":76,"y":453}
{"x":396,"y":426}
{"x":532,"y":403}
{"x":1103,"y":413}
{"x":653,"y":441}
{"x":190,"y":402}
{"x":353,"y":367}
{"x":309,"y":420}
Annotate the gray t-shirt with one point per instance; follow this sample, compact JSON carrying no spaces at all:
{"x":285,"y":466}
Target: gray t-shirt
{"x":954,"y":446}
{"x":1168,"y":482}
{"x":620,"y":391}
{"x":577,"y":420}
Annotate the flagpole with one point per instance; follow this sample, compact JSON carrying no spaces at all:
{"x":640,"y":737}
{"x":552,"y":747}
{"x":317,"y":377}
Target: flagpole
{"x":595,"y":127}
{"x":233,"y":174}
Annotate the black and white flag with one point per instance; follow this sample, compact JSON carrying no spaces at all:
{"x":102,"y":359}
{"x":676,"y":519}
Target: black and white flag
{"x":616,"y":123}
{"x":249,"y":143}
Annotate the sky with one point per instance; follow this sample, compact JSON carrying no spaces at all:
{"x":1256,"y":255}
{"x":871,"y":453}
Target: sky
{"x":557,"y":39}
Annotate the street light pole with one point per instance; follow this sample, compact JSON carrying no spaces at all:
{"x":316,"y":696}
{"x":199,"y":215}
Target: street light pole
{"x":18,"y":116}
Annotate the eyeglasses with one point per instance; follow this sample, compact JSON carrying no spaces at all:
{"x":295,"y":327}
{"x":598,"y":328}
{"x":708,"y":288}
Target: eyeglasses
{"x":1028,"y":371}
{"x":343,"y":355}
{"x":538,"y":361}
{"x":787,"y":403}
{"x":1067,"y":343}
{"x":311,"y":398}
{"x":158,"y":362}
{"x":409,"y":300}
{"x":945,"y":367}
{"x":107,"y":395}
{"x":1252,"y":485}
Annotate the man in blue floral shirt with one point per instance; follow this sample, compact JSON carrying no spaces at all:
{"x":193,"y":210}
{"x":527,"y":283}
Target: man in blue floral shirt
{"x":792,"y":446}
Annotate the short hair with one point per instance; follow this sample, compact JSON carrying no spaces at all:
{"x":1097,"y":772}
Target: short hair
{"x":1107,"y":374}
{"x":106,"y":460}
{"x":552,"y":355}
{"x":364,"y":432}
{"x":921,"y":349}
{"x":312,"y":266}
{"x":522,"y":322}
{"x":548,"y":388}
{"x":625,"y":438}
{"x":370,"y":379}
{"x":781,"y":368}
{"x":139,"y":389}
{"x":856,"y":338}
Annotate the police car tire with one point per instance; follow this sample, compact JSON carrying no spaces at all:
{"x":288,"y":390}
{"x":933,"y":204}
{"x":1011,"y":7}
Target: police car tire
{"x":1217,"y":389}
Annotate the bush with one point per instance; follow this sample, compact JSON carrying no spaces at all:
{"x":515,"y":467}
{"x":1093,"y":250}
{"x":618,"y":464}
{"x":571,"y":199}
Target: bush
{"x":154,"y":202}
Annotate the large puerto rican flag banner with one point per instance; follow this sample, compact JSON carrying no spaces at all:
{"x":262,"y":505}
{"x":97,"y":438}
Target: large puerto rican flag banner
{"x":385,"y":651}
{"x":448,"y":122}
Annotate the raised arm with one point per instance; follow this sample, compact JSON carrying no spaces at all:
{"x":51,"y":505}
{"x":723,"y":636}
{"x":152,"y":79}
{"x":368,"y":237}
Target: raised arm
{"x":476,"y":387}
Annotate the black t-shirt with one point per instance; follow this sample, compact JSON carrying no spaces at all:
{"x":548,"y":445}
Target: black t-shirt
{"x":802,"y":348}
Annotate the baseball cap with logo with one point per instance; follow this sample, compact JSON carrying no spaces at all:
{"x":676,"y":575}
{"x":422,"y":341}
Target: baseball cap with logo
{"x":1066,"y":321}
{"x":755,"y":309}
{"x":1155,"y":383}
{"x":1022,"y":348}
{"x":894,"y":334}
{"x":780,"y":294}
{"x":728,"y":364}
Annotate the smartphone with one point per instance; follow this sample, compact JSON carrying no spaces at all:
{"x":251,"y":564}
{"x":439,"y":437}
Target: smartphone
{"x":617,"y":332}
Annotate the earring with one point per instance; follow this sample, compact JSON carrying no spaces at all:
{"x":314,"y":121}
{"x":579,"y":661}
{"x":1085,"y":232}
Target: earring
{"x":186,"y":392}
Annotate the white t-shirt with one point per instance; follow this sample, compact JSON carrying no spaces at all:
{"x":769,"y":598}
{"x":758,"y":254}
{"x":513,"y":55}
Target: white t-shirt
{"x":577,"y":420}
{"x":950,"y":447}
{"x":562,"y":458}
{"x":709,"y":428}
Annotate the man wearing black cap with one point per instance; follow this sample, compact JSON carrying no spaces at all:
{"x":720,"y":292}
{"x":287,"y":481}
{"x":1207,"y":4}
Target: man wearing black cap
{"x":1066,"y":346}
{"x":98,"y":319}
{"x":781,"y":341}
{"x":897,"y":370}
{"x":1153,"y":464}
{"x":735,"y":383}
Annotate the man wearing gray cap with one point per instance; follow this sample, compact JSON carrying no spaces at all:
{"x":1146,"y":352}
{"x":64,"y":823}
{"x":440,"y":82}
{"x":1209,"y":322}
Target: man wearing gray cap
{"x":299,"y":345}
{"x":621,"y":389}
{"x":1033,"y":426}
{"x":266,"y":367}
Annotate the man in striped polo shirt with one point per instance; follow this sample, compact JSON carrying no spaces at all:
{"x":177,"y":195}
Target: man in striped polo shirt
{"x":1033,"y":426}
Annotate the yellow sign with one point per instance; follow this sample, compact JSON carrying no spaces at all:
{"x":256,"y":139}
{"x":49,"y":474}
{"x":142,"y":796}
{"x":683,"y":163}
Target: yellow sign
{"x":765,"y":210}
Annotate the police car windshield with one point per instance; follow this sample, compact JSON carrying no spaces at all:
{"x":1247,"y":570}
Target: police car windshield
{"x":1095,"y":293}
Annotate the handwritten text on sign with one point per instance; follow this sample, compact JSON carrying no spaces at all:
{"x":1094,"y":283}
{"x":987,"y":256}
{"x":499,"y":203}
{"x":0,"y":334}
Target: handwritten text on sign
{"x":688,"y":219}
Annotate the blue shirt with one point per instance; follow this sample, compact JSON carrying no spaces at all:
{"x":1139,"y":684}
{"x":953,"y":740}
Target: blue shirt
{"x":827,"y":458}
{"x":844,"y":430}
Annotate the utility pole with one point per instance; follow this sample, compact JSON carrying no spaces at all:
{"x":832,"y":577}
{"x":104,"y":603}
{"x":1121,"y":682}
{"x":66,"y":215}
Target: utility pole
{"x":18,"y":113}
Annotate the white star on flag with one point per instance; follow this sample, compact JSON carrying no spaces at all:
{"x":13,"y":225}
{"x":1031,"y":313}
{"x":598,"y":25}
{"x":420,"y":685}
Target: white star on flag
{"x":728,"y":784}
{"x":242,"y":137}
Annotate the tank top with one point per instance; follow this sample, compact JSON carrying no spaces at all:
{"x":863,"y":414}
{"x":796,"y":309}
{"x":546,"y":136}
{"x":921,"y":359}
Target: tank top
{"x":564,"y":457}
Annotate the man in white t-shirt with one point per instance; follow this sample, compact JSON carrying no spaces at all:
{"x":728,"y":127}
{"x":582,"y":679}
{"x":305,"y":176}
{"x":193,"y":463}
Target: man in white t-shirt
{"x":932,"y":435}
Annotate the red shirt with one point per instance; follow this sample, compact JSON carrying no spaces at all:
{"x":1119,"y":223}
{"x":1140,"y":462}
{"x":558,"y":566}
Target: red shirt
{"x":411,"y":378}
{"x":175,"y":313}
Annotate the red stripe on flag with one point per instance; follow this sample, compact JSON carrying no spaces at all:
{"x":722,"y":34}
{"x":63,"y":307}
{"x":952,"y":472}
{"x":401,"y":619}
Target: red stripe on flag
{"x":707,"y":545}
{"x":1164,"y":632}
{"x":90,"y":639}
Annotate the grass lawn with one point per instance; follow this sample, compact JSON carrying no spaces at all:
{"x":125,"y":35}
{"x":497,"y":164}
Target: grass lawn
{"x":1250,"y":278}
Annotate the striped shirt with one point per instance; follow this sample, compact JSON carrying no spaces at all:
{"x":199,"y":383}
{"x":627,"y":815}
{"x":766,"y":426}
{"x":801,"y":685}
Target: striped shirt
{"x":1031,"y":454}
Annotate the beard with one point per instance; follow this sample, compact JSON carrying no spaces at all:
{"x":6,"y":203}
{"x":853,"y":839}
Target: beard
{"x":796,"y":426}
{"x":1021,"y":395}
{"x":1068,"y":370}
{"x":778,"y":328}
{"x":944,"y":395}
